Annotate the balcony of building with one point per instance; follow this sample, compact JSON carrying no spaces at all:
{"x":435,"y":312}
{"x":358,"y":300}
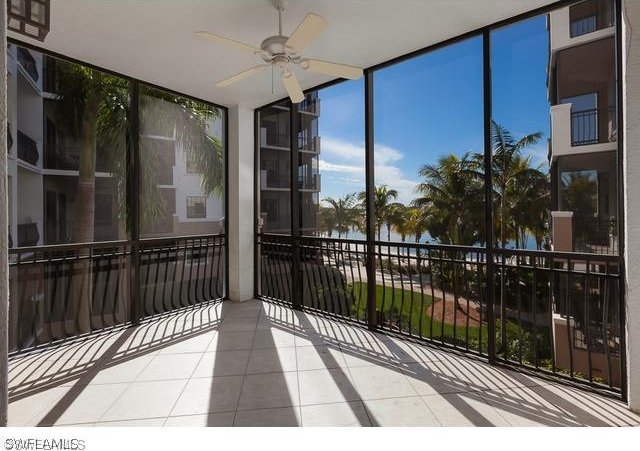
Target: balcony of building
{"x":581,"y":23}
{"x":260,"y":364}
{"x":270,"y":314}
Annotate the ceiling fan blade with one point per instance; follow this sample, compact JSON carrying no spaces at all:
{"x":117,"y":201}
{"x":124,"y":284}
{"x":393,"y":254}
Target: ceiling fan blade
{"x":327,"y":68}
{"x":291,"y":84}
{"x":241,"y":75}
{"x":310,"y":28}
{"x":227,"y":41}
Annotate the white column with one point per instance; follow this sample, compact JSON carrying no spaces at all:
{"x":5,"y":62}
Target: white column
{"x":631,"y":78}
{"x":241,"y":207}
{"x":4,"y":221}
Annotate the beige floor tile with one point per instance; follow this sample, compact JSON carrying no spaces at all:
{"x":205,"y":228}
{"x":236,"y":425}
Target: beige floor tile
{"x":432,"y":380}
{"x":231,"y":341}
{"x":211,"y":395}
{"x":224,"y":419}
{"x":587,"y":408}
{"x":278,"y":417}
{"x":198,"y":343}
{"x":463,"y":409}
{"x":272,"y":360}
{"x":121,"y":370}
{"x":326,"y":386}
{"x":524,"y":407}
{"x":30,"y":410}
{"x":222,"y":363}
{"x":400,"y":412}
{"x":146,"y":400}
{"x":375,"y":382}
{"x":273,"y":338}
{"x":88,"y":404}
{"x":264,"y":391}
{"x":319,"y":357}
{"x":238,"y":325}
{"x":144,"y":422}
{"x":170,"y":366}
{"x":343,"y":414}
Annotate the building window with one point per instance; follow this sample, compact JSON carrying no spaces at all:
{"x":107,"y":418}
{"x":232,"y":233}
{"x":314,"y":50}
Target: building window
{"x":193,"y":166}
{"x":196,"y":207}
{"x":590,"y":16}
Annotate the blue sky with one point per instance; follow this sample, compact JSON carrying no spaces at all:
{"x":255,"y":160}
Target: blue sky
{"x":431,"y":106}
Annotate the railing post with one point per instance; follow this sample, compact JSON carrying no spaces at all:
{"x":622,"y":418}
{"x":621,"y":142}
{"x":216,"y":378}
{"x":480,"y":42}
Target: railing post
{"x":372,"y":314}
{"x":133,"y":201}
{"x":296,"y":280}
{"x":488,"y":196}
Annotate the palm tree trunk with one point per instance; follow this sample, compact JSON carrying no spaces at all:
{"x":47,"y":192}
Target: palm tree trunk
{"x":85,"y":207}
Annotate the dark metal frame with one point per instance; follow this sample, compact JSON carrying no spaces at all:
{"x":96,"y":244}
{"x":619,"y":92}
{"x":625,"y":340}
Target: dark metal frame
{"x":133,"y":170}
{"x":491,"y":250}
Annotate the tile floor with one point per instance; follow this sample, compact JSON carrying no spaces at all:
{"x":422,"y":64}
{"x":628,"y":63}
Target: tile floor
{"x":259,"y":364}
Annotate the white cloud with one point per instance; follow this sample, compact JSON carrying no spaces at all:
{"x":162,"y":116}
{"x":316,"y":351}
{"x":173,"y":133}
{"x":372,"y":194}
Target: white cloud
{"x":348,"y":158}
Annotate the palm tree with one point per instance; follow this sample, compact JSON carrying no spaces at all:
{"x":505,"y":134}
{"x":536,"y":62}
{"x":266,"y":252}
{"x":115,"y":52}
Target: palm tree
{"x":401,"y":221}
{"x":327,"y":221}
{"x":94,"y":109}
{"x":346,"y":211}
{"x":451,"y":192}
{"x":382,"y":210}
{"x":511,"y":174}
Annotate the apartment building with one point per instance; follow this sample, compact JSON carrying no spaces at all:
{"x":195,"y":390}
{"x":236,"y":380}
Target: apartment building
{"x":583,"y":128}
{"x":275,"y":166}
{"x":43,"y":164}
{"x":584,"y":181}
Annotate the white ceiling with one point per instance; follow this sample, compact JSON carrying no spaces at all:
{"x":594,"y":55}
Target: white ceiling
{"x":153,"y":40}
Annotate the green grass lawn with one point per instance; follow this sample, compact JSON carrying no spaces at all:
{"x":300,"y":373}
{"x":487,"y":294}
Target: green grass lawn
{"x":415,"y":310}
{"x":416,"y":315}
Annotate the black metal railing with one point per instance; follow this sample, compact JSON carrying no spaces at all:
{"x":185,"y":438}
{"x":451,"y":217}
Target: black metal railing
{"x":28,"y":63}
{"x":276,"y":180}
{"x":309,"y":182}
{"x":548,"y":299}
{"x":438,"y":293}
{"x":590,"y":16}
{"x":593,"y":126}
{"x":179,"y":272}
{"x":62,"y":291}
{"x":595,"y":235}
{"x":27,"y":149}
{"x":434,"y":292}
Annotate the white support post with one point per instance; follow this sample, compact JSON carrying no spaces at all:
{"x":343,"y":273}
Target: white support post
{"x":631,"y":100}
{"x":241,"y":203}
{"x":4,"y":221}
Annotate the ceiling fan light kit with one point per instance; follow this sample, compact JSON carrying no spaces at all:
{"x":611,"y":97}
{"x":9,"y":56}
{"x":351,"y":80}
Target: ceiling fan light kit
{"x":283,"y":52}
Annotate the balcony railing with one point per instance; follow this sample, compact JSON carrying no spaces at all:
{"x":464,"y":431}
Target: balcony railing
{"x":595,"y":235}
{"x":439,"y":293}
{"x":67,"y":158}
{"x":590,"y":16}
{"x":309,"y":182}
{"x":28,"y":63}
{"x":593,"y":126}
{"x":62,"y":291}
{"x":27,"y":149}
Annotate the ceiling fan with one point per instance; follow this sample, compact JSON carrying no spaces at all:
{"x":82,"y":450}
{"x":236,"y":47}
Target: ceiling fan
{"x":282,"y":52}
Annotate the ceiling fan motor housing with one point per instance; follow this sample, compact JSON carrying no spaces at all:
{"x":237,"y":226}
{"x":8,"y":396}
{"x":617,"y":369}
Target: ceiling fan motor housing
{"x":274,"y":46}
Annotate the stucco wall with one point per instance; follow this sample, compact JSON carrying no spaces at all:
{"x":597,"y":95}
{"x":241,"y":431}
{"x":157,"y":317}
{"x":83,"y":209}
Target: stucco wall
{"x":631,"y":76}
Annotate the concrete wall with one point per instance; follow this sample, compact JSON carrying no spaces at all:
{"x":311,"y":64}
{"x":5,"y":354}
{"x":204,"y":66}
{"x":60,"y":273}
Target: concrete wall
{"x":4,"y":270}
{"x":241,"y":206}
{"x":631,"y":98}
